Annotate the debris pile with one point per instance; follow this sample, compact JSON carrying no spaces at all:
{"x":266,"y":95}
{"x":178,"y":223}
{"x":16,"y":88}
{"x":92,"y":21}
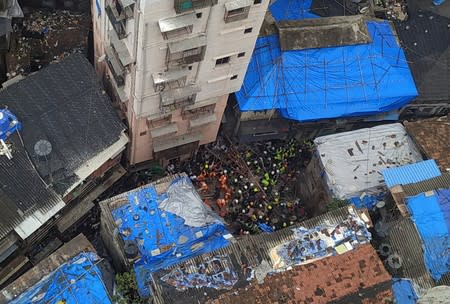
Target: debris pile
{"x":319,"y":242}
{"x":252,"y":188}
{"x":392,"y":9}
{"x":44,"y":37}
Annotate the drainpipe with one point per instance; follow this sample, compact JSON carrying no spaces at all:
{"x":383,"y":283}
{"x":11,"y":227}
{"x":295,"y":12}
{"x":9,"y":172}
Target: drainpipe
{"x":134,"y":75}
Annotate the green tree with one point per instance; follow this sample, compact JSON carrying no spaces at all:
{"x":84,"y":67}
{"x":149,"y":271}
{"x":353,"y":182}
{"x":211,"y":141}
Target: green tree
{"x":127,"y":289}
{"x":336,"y":204}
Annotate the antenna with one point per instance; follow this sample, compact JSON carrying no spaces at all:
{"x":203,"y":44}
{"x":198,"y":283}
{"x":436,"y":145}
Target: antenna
{"x":8,"y":125}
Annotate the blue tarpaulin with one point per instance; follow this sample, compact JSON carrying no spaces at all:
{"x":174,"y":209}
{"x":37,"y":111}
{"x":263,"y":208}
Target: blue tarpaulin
{"x":292,"y":10}
{"x":321,"y":241}
{"x":304,"y":85}
{"x":164,"y":238}
{"x":404,"y":292}
{"x":431,"y":214}
{"x":77,"y":281}
{"x":411,"y":173}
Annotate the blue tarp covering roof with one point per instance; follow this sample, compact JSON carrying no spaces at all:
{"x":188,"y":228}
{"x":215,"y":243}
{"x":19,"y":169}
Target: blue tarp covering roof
{"x":292,"y":10}
{"x":431,"y":214}
{"x":411,"y":173}
{"x":404,"y":292}
{"x":77,"y":281}
{"x":164,"y":238}
{"x":304,"y":85}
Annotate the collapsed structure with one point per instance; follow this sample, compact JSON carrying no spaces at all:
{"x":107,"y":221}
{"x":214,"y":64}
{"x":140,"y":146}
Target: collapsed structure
{"x":65,"y":155}
{"x":159,"y":225}
{"x":249,"y":269}
{"x":43,"y":37}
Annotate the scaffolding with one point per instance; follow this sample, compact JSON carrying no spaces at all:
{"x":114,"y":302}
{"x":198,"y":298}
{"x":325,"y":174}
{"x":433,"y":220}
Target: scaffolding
{"x":311,"y":84}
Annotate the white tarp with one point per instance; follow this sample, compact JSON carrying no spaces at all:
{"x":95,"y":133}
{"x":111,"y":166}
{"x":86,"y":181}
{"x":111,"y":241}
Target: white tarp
{"x":353,"y":160}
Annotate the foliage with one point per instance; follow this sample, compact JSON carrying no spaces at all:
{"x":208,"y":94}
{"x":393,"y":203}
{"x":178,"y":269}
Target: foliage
{"x":127,"y":288}
{"x":336,"y":204}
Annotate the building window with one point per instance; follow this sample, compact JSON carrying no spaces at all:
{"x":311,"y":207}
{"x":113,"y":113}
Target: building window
{"x":248,"y":30}
{"x":223,"y":60}
{"x":199,"y":15}
{"x":190,"y":68}
{"x":257,"y":2}
{"x":186,"y":51}
{"x":242,"y":54}
{"x":235,"y":11}
{"x":143,"y":133}
{"x":233,"y":77}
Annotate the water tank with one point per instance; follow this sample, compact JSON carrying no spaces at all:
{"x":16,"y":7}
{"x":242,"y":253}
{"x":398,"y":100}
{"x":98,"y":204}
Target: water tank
{"x":131,"y":249}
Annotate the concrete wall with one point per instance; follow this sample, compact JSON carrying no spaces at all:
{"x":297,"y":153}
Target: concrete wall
{"x":148,"y":48}
{"x":141,"y":148}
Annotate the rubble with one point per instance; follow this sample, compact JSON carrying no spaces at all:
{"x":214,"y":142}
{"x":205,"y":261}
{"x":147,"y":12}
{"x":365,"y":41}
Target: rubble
{"x":252,"y":188}
{"x":44,"y":37}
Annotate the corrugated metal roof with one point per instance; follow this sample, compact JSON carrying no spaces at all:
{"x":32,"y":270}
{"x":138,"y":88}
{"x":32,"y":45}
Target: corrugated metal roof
{"x":439,"y":182}
{"x":248,"y":251}
{"x":411,"y":173}
{"x":22,"y":191}
{"x":65,"y":104}
{"x":406,"y":242}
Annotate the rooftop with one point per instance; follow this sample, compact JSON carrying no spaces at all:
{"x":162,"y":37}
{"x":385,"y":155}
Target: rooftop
{"x":354,"y":277}
{"x":45,"y":267}
{"x":163,"y":224}
{"x":353,"y":161}
{"x":425,"y":38}
{"x":64,"y":106}
{"x":431,"y":136}
{"x":253,"y":259}
{"x":79,"y":280}
{"x":42,"y":37}
{"x":330,"y":82}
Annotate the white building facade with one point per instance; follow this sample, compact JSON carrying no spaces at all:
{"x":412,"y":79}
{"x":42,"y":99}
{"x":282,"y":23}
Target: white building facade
{"x":172,"y":64}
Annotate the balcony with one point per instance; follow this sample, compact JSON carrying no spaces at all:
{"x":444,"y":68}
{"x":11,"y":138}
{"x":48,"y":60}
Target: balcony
{"x":171,"y":79}
{"x":178,"y":98}
{"x":201,"y":121}
{"x":176,"y":26}
{"x":117,"y":20}
{"x":120,"y":47}
{"x":164,"y":131}
{"x":115,"y":66}
{"x":237,"y":10}
{"x":182,"y":6}
{"x":186,"y":51}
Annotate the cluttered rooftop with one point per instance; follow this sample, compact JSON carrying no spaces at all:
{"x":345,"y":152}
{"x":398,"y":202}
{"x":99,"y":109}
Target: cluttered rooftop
{"x":44,"y":36}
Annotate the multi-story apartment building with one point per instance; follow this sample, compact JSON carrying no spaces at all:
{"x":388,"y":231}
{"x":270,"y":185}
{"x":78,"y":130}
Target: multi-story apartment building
{"x":172,"y":64}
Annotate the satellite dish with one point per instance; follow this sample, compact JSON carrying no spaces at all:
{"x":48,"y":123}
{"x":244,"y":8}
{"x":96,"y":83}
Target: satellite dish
{"x":42,"y":148}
